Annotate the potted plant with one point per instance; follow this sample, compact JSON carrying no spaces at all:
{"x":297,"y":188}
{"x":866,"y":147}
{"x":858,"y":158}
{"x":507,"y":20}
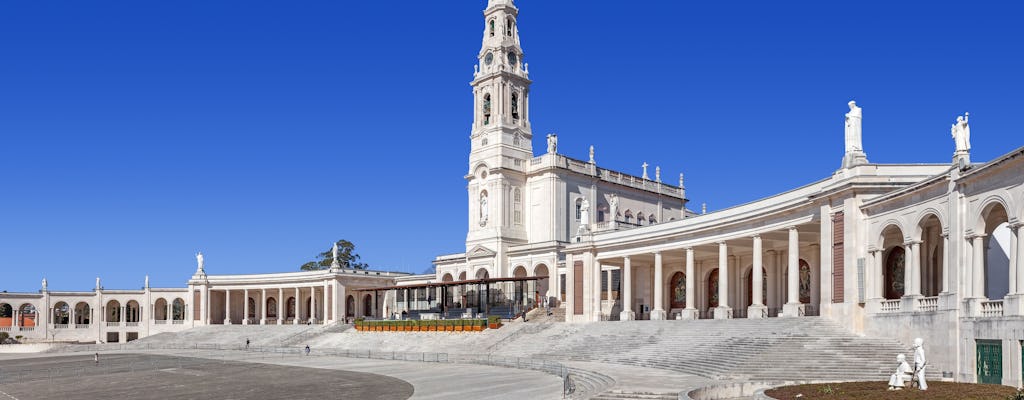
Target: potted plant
{"x":431,"y":326}
{"x":479,"y":325}
{"x":449,"y":326}
{"x":458,"y":325}
{"x":494,"y":322}
{"x":467,"y":325}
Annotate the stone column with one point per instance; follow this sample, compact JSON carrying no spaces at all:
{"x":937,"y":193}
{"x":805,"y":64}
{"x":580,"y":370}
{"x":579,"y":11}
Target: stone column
{"x":978,"y":266}
{"x":245,"y":307}
{"x":608,"y":285}
{"x":263,"y":307}
{"x":815,"y":275}
{"x":595,"y":295}
{"x":773,"y":281}
{"x":312,"y":304}
{"x":1019,"y":265}
{"x":793,"y":308}
{"x":915,"y":288}
{"x":297,"y":308}
{"x":627,"y":313}
{"x":170,"y":312}
{"x":659,"y":289}
{"x":280,"y":306}
{"x":757,"y":308}
{"x":690,"y":312}
{"x":1014,"y":259}
{"x":945,"y":263}
{"x":723,"y":311}
{"x":227,"y":307}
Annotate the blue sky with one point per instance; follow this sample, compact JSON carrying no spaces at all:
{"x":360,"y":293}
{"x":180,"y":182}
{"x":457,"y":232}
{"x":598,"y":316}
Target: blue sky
{"x":133,"y":134}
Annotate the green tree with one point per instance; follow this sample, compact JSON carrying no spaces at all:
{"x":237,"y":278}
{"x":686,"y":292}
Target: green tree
{"x":347,"y":258}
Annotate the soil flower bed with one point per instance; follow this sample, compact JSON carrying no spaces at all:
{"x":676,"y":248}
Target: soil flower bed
{"x":878,"y":391}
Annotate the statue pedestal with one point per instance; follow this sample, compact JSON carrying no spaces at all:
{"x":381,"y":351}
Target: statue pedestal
{"x":723,"y":312}
{"x":757,"y":312}
{"x":227,"y":321}
{"x":962,"y":155}
{"x":854,"y":158}
{"x":1013,"y":304}
{"x":792,"y":310}
{"x":627,"y":316}
{"x":658,"y":315}
{"x":689,"y":313}
{"x":972,"y":306}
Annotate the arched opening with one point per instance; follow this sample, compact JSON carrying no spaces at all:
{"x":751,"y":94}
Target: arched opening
{"x":309,"y":309}
{"x":6,"y":315}
{"x":487,"y":108}
{"x":805,"y":281}
{"x":462,"y":275}
{"x":83,"y":313}
{"x":640,"y":218}
{"x":27,"y":315}
{"x":132,"y":311}
{"x":491,"y":26}
{"x":482,"y":273}
{"x":541,"y":270}
{"x":713,"y":289}
{"x":519,"y":272}
{"x":271,"y":308}
{"x":652,"y":220}
{"x":447,"y":278}
{"x":290,"y":308}
{"x":579,"y":208}
{"x":932,"y":252}
{"x":509,"y":24}
{"x":627,"y":217}
{"x":368,"y":305}
{"x":764,"y":287}
{"x":252,"y":308}
{"x":894,"y":264}
{"x":113,"y":313}
{"x":995,"y":226}
{"x":677,"y":290}
{"x":160,"y":310}
{"x":350,"y":306}
{"x":61,"y":313}
{"x":515,"y":96}
{"x":178,"y":310}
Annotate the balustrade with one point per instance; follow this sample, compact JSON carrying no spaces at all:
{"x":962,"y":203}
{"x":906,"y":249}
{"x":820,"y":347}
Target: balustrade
{"x":928,"y":304}
{"x":890,"y":306}
{"x":992,"y":308}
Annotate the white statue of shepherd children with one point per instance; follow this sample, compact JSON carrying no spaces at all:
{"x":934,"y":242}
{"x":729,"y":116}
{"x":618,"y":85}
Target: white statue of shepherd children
{"x":903,"y":371}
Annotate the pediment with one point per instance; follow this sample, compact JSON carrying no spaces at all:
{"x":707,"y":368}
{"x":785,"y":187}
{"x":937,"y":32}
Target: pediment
{"x":480,"y":251}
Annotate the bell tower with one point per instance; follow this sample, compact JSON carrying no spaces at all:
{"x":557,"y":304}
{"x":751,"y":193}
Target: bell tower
{"x":501,"y":137}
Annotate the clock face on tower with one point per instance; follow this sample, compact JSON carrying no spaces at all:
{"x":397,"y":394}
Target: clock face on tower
{"x":512,"y":59}
{"x":488,"y":58}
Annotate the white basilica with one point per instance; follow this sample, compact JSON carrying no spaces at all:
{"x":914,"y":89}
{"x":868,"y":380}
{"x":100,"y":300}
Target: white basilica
{"x":898,"y":250}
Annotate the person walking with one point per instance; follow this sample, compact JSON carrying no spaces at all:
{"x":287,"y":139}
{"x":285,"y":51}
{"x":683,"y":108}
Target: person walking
{"x":247,"y":343}
{"x":96,"y":358}
{"x":307,"y":350}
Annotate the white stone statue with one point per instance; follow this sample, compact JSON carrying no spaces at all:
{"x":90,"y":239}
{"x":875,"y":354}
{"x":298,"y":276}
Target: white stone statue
{"x":97,"y":283}
{"x":147,"y":282}
{"x":334,"y":256}
{"x":920,"y":363}
{"x":591,"y":154}
{"x":552,"y":143}
{"x":613,"y":206}
{"x":898,"y":379}
{"x":584,"y":212}
{"x":681,"y":180}
{"x":853,"y":128}
{"x":199,"y":261}
{"x":44,"y":284}
{"x":645,"y":165}
{"x":484,"y":212}
{"x":703,"y":208}
{"x":961,"y":134}
{"x":476,"y":69}
{"x":657,"y":174}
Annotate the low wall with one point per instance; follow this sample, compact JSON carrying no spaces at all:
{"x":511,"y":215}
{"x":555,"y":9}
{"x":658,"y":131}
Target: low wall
{"x":729,"y":391}
{"x":25,"y":348}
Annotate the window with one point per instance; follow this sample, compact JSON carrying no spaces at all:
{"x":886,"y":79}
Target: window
{"x":515,"y":106}
{"x":652,"y":220}
{"x":483,"y":142}
{"x":517,"y":141}
{"x":517,"y":206}
{"x":628,"y":216}
{"x":579,"y":209}
{"x":487,"y":108}
{"x":492,"y":27}
{"x":509,"y":23}
{"x":640,"y":218}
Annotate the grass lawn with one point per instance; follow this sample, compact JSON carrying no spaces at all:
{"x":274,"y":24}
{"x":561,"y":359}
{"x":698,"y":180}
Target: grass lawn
{"x":878,"y":391}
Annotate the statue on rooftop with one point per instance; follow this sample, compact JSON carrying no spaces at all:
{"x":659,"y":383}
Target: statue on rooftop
{"x":898,"y":379}
{"x":44,"y":284}
{"x":645,"y":165}
{"x":584,"y":212}
{"x":552,"y":143}
{"x":613,"y":205}
{"x":591,"y":154}
{"x":199,"y":261}
{"x":853,"y":128}
{"x":484,"y":212}
{"x":961,"y":133}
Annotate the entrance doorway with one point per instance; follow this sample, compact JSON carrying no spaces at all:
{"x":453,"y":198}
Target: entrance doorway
{"x":990,"y":362}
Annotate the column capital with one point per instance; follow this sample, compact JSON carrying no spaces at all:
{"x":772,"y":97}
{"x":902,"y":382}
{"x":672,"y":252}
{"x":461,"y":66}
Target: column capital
{"x":773,"y":251}
{"x":755,"y":236}
{"x":973,"y":236}
{"x":721,"y":243}
{"x":625,"y":258}
{"x":657,"y":253}
{"x":1016,"y":225}
{"x":689,"y":249}
{"x":912,"y":242}
{"x":814,"y":245}
{"x":791,"y":228}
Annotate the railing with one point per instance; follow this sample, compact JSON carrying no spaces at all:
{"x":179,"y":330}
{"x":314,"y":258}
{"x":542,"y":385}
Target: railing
{"x":81,"y":326}
{"x":992,"y":308}
{"x":928,"y":304}
{"x":890,"y":306}
{"x":32,"y":328}
{"x":60,"y":326}
{"x":136,"y":323}
{"x":178,"y":322}
{"x":6,"y":328}
{"x":113,"y":323}
{"x":160,"y":322}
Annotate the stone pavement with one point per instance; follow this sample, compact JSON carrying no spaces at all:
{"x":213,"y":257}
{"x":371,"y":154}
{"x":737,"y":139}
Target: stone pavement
{"x":648,"y":381}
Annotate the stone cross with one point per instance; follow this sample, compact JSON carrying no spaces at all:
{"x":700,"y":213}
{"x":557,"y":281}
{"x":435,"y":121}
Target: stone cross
{"x":645,"y":170}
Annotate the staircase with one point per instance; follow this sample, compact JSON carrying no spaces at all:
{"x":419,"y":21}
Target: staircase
{"x":804,"y":349}
{"x":231,"y":335}
{"x":539,"y":315}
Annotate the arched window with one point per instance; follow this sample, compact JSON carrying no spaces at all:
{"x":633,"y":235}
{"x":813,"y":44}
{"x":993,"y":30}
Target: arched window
{"x":652,"y":220}
{"x":628,"y":217}
{"x":509,"y":23}
{"x":487,"y":108}
{"x":677,"y":290}
{"x":492,"y":27}
{"x":517,"y":206}
{"x":271,"y":308}
{"x":579,"y":209}
{"x":515,"y":106}
{"x":252,"y":308}
{"x":178,"y":310}
{"x":83,"y":314}
{"x":27,"y":315}
{"x":160,"y":310}
{"x":61,"y":313}
{"x":113,"y":311}
{"x":640,"y":218}
{"x":290,"y":312}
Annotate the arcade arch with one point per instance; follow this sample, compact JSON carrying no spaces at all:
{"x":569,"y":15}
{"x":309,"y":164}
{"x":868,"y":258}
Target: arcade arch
{"x":160,"y":310}
{"x":894,"y":262}
{"x":519,"y":272}
{"x":27,"y":315}
{"x":83,"y":313}
{"x":994,"y":228}
{"x":542,"y":271}
{"x":932,"y":258}
{"x":113,"y":312}
{"x":61,"y":313}
{"x":132,"y":311}
{"x":6,"y":315}
{"x":178,"y":310}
